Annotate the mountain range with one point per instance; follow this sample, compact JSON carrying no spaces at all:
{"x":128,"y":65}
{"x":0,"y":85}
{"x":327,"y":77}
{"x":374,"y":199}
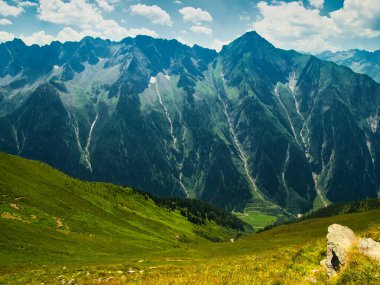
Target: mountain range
{"x":250,"y":126}
{"x":360,"y":61}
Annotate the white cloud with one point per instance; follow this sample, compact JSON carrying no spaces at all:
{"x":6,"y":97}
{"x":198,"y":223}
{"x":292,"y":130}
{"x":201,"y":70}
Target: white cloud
{"x":291,"y":25}
{"x":359,"y":18}
{"x":142,"y":31}
{"x":8,"y":10}
{"x":4,"y":22}
{"x":39,"y":37}
{"x":5,"y":37}
{"x":75,"y":12}
{"x":218,"y":44}
{"x":185,"y":41}
{"x":317,"y":3}
{"x":106,"y":5}
{"x":84,"y":15}
{"x":26,"y":3}
{"x":70,"y":34}
{"x":154,"y":13}
{"x":286,"y":25}
{"x":195,"y":15}
{"x":201,"y":30}
{"x":177,"y":2}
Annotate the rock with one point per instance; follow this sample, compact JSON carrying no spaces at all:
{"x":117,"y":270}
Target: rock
{"x":370,"y":248}
{"x":339,"y":240}
{"x":323,"y":262}
{"x":72,"y":282}
{"x":63,"y":282}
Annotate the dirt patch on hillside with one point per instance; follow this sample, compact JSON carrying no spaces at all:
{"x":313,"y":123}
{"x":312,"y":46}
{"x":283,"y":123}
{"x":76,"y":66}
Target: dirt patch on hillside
{"x":12,"y":216}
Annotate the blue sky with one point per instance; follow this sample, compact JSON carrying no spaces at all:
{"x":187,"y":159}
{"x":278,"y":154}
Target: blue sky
{"x":304,"y":25}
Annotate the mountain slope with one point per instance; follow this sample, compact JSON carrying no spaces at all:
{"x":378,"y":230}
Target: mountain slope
{"x":253,"y":127}
{"x":299,"y":107}
{"x":360,"y":61}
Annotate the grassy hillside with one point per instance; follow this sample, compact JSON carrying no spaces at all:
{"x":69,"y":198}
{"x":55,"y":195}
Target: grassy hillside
{"x":54,"y":229}
{"x":345,"y":208}
{"x":47,"y":216}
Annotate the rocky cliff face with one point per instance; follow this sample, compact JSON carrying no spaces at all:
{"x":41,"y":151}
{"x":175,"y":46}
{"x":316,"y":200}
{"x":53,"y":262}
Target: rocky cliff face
{"x":252,"y":125}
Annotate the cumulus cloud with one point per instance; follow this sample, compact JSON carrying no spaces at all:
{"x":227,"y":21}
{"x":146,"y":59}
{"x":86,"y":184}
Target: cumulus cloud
{"x":201,"y":30}
{"x":185,"y":41}
{"x":85,"y":16}
{"x":81,"y":19}
{"x":358,"y":18}
{"x":69,"y":34}
{"x":195,"y":15}
{"x":218,"y":44}
{"x":291,"y":25}
{"x":142,"y":31}
{"x":8,"y":10}
{"x":106,"y":5}
{"x":39,"y":37}
{"x":75,"y":12}
{"x":26,"y":3}
{"x":317,"y":3}
{"x":5,"y":37}
{"x":4,"y":22}
{"x":154,"y":13}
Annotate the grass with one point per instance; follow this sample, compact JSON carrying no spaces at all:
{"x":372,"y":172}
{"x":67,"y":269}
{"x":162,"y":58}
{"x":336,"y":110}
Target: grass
{"x":256,"y":219}
{"x":57,"y":229}
{"x":47,"y":216}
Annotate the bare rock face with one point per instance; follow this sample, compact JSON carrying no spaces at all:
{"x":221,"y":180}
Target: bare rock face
{"x":370,"y":248}
{"x":339,"y":240}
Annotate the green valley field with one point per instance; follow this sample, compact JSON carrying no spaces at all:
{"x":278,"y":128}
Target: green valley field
{"x":58,"y":230}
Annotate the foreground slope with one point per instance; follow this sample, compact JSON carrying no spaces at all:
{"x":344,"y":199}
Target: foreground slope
{"x":55,"y":229}
{"x":46,"y":216}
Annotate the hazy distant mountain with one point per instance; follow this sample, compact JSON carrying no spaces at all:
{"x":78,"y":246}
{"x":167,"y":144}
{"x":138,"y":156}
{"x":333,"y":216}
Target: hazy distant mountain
{"x":360,"y":61}
{"x":252,"y":125}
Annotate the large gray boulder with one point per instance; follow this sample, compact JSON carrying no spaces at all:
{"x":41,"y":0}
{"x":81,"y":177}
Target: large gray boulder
{"x":339,"y":241}
{"x":370,"y":248}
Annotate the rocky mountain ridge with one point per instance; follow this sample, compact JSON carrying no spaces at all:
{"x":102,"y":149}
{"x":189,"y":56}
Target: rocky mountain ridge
{"x":360,"y":61}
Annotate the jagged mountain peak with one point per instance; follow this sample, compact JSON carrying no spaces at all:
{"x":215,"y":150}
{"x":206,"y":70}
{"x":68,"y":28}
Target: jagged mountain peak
{"x":250,"y":41}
